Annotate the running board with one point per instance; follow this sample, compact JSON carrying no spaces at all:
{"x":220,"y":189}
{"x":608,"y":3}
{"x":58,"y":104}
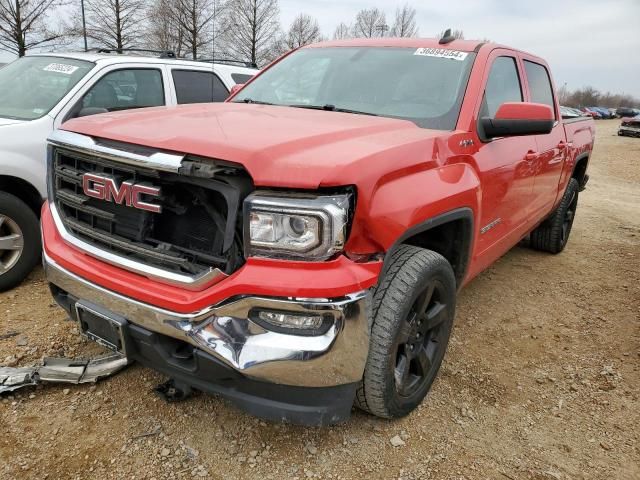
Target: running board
{"x":62,"y":370}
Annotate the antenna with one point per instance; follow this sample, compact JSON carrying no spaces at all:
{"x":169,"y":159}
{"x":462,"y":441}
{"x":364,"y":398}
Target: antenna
{"x":446,"y":37}
{"x":213,"y":49}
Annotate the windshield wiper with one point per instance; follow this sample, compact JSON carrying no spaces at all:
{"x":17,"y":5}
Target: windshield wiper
{"x":333,"y":108}
{"x":250,"y":100}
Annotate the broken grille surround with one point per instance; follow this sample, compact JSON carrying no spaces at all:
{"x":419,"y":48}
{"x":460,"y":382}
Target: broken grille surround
{"x":201,"y":177}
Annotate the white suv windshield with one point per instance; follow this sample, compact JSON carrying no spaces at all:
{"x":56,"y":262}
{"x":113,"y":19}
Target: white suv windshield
{"x":31,"y":86}
{"x":425,"y":86}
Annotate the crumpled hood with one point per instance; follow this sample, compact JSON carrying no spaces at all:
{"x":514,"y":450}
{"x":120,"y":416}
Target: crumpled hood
{"x":279,"y":146}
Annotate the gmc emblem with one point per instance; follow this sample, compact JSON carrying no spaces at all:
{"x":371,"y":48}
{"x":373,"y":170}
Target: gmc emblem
{"x":104,"y":188}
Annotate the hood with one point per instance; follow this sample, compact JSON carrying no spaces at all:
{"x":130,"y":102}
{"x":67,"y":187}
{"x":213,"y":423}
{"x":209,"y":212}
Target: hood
{"x":9,"y":121}
{"x":279,"y":146}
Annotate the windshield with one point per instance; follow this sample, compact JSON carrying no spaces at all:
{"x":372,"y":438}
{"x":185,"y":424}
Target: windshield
{"x":31,"y":86}
{"x":425,"y":86}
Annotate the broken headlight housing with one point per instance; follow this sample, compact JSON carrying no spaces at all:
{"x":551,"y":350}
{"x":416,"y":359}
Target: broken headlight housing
{"x":297,"y":227}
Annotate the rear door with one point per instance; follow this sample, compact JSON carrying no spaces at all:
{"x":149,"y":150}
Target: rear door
{"x":552,"y":148}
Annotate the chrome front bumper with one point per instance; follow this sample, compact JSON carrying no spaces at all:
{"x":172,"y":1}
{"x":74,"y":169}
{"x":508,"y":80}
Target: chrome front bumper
{"x":335,"y":358}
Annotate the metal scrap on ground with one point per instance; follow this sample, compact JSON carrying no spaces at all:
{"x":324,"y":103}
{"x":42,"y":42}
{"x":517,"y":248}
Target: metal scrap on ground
{"x":61,"y":370}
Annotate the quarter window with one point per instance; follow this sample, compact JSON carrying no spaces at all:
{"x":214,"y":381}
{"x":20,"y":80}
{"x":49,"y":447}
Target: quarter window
{"x":198,"y":87}
{"x":539,"y":84}
{"x":503,"y":85}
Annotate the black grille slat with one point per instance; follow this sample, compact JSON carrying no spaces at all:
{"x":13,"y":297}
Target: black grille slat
{"x":186,"y":237}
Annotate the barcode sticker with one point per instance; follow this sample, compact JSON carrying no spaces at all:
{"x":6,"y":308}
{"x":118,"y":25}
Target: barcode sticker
{"x":441,"y":53}
{"x":60,"y":68}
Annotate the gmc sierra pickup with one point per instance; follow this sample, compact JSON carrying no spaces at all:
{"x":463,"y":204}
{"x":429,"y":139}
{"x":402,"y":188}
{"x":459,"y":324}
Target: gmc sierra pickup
{"x":298,"y":249}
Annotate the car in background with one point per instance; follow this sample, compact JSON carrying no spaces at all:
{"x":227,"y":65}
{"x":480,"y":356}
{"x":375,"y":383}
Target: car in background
{"x":38,"y":93}
{"x":623,"y":112}
{"x":630,"y":127}
{"x":568,"y":112}
{"x":604,"y":113}
{"x":591,"y":112}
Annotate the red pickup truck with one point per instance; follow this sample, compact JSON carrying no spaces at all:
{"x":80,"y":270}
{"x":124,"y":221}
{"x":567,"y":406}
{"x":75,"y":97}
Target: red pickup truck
{"x":298,"y":249}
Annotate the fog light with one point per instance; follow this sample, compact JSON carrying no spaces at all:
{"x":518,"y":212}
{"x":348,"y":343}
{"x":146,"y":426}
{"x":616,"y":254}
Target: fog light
{"x":291,"y":320}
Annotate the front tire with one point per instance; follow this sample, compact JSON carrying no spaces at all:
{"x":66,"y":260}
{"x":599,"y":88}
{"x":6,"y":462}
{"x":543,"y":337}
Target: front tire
{"x":553,"y":234}
{"x":20,"y":245}
{"x":413,"y":311}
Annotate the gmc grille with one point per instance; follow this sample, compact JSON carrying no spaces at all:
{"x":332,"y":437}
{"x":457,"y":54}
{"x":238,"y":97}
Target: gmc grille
{"x":199,"y":227}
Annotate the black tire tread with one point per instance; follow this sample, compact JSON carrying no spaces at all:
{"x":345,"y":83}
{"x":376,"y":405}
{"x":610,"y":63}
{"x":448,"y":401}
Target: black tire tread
{"x":404,"y":268}
{"x":547,"y":237}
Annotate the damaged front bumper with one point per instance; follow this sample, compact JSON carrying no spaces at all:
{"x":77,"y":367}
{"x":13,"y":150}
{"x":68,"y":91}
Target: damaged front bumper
{"x":307,"y":379}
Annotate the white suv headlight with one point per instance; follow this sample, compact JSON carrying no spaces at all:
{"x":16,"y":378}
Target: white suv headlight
{"x":306,"y":227}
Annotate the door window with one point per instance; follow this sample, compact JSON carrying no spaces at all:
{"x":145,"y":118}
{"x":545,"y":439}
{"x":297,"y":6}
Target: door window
{"x":539,"y":84}
{"x":503,"y":85}
{"x":126,"y":89}
{"x":198,"y":87}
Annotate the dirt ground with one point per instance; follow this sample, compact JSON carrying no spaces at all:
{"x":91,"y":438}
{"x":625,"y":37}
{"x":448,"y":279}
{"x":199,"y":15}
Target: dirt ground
{"x":541,"y":381}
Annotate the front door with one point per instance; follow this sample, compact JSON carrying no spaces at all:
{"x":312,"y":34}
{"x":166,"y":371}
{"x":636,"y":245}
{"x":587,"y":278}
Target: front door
{"x":506,"y":166}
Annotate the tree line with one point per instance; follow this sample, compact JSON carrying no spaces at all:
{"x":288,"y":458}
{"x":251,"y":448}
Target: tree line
{"x":245,"y":30}
{"x":591,"y":97}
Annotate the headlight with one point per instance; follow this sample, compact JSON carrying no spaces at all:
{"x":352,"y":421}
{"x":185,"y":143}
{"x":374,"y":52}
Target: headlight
{"x":305,"y":227}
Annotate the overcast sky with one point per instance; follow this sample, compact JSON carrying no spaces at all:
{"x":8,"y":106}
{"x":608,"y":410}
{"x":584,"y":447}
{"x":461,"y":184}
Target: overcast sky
{"x":586,"y":42}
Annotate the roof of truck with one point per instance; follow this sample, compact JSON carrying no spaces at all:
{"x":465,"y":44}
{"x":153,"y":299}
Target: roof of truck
{"x":114,"y":58}
{"x":461,"y":45}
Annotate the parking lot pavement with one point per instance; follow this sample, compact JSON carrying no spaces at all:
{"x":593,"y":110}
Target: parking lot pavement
{"x":542,"y":380}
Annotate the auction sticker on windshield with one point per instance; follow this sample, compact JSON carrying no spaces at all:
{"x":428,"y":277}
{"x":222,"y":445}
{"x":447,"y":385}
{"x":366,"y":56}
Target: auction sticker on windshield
{"x":60,"y":68}
{"x":441,"y":53}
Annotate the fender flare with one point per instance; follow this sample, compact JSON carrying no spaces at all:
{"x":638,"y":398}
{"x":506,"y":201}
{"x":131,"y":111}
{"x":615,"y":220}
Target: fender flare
{"x":463,"y":214}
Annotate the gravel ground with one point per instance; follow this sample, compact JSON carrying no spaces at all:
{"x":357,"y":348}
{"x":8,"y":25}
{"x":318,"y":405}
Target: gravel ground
{"x":541,"y":381}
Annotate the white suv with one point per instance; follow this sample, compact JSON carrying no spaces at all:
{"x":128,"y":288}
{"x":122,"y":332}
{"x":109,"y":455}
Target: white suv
{"x":40,"y":92}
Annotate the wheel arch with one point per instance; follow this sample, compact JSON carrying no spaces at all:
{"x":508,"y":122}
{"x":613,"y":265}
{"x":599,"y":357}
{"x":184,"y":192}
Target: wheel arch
{"x":23,"y":190}
{"x":580,"y":169}
{"x":450,"y":234}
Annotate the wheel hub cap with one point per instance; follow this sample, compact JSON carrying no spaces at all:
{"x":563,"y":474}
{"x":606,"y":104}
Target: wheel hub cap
{"x":11,"y":243}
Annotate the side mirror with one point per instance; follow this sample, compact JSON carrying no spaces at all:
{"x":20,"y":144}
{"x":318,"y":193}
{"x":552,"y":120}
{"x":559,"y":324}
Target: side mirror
{"x":519,"y":118}
{"x":236,"y":88}
{"x":85,"y":112}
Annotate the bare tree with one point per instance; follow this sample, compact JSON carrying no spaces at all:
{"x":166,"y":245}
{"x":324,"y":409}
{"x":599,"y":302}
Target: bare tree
{"x":195,"y":18}
{"x":303,"y":30}
{"x":342,"y":31}
{"x":456,"y":34}
{"x":115,"y":24}
{"x":370,"y":22}
{"x":404,"y":24}
{"x":252,"y":30}
{"x":164,"y":31}
{"x":24,"y":24}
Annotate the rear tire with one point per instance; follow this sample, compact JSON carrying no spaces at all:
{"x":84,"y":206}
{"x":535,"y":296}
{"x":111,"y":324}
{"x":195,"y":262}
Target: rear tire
{"x":20,"y":245}
{"x":553,"y":234}
{"x":413,"y":311}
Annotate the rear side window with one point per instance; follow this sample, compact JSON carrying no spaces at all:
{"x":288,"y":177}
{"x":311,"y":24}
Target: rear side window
{"x":539,"y":84}
{"x":240,"y":78}
{"x":503,"y":85}
{"x":198,"y":87}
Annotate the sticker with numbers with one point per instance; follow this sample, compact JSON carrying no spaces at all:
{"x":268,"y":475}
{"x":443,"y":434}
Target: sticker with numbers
{"x":441,"y":53}
{"x":60,"y":68}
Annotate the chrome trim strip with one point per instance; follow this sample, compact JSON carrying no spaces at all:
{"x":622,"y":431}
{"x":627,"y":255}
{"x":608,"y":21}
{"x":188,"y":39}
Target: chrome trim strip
{"x":84,"y":144}
{"x":197,"y":282}
{"x":224,"y":331}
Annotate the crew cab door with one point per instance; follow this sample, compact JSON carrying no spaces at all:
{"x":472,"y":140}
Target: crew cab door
{"x":552,"y":147}
{"x":504,"y":164}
